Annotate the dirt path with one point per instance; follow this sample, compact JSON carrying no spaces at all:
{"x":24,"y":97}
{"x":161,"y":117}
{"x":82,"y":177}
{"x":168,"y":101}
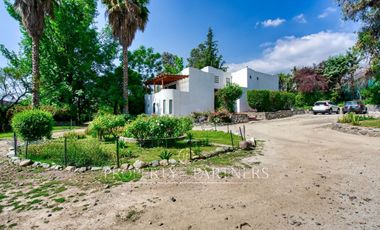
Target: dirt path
{"x":317,"y":179}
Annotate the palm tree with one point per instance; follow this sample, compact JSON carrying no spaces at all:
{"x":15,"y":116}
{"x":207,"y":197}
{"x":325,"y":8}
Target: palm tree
{"x":126,"y":17}
{"x":33,"y":14}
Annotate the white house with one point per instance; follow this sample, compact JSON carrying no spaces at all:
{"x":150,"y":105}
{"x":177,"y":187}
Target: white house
{"x":194,"y":90}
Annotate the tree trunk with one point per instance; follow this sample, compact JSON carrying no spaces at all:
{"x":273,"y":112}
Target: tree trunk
{"x":36,"y":72}
{"x":125,"y":80}
{"x":352,"y":85}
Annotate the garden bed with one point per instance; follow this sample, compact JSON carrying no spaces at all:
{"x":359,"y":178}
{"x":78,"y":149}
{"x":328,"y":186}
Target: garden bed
{"x":357,"y":130}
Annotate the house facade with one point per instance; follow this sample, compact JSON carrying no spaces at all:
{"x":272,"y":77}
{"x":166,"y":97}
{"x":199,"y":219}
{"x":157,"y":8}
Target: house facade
{"x":194,"y":90}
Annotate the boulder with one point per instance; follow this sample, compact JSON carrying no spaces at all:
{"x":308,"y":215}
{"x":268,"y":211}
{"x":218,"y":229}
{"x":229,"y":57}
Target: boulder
{"x":45,"y":165}
{"x":245,"y":145}
{"x":219,"y":150}
{"x":36,"y":164}
{"x":56,"y":167}
{"x":13,"y":159}
{"x":11,"y":153}
{"x":164,"y":162}
{"x":139,"y":164}
{"x":172,"y":162}
{"x":130,"y":167}
{"x":252,"y":141}
{"x":81,"y":169}
{"x":124,"y":166}
{"x":107,"y":169}
{"x":96,"y":168}
{"x":70,"y":168}
{"x":25,"y":163}
{"x":155,"y":163}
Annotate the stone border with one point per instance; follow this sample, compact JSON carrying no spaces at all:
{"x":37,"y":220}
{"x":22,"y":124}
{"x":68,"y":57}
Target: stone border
{"x":356,"y":130}
{"x":138,"y":164}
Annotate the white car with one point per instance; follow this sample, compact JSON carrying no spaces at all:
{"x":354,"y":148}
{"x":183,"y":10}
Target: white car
{"x":325,"y":107}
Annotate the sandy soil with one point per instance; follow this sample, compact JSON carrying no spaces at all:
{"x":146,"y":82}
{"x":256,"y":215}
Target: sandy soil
{"x":310,"y":177}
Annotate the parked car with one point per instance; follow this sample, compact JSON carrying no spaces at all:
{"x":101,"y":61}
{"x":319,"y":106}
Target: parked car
{"x":325,"y":107}
{"x":354,"y":106}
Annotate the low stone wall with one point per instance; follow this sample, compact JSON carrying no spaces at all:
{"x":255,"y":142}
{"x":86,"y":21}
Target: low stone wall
{"x":357,"y":130}
{"x":275,"y":115}
{"x":239,"y":118}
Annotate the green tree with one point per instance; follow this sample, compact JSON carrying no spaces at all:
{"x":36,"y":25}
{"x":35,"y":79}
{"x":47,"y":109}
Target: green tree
{"x":145,"y":61}
{"x":368,"y":13}
{"x":228,"y":95}
{"x":172,"y":63}
{"x":207,"y":54}
{"x":32,"y":14}
{"x":125,"y":18}
{"x":286,"y":82}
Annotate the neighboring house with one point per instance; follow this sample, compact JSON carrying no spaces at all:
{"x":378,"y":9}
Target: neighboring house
{"x":194,"y":90}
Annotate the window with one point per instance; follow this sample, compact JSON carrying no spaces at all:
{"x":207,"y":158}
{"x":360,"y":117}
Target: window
{"x":250,"y":77}
{"x":257,"y":78}
{"x":216,"y":79}
{"x":228,"y":80}
{"x":170,"y":106}
{"x":164,"y":107}
{"x":154,"y":108}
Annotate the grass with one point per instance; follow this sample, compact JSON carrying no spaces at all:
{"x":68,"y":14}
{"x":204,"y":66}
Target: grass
{"x":116,"y":178}
{"x":217,"y":137}
{"x":8,"y":135}
{"x":371,"y":123}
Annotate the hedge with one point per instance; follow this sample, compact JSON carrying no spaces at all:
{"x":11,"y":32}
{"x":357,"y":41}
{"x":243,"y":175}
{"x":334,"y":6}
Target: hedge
{"x":270,"y":101}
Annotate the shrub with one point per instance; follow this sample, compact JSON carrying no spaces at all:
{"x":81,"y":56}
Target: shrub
{"x":33,"y":125}
{"x":270,"y":101}
{"x":107,"y":124}
{"x":165,"y":155}
{"x":221,"y":116}
{"x":228,"y":95}
{"x":354,"y":119}
{"x":158,"y":127}
{"x":75,"y":135}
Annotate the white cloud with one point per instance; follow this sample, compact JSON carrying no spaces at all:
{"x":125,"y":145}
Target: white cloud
{"x":300,"y":18}
{"x":272,"y":22}
{"x":327,"y":12}
{"x":293,"y":51}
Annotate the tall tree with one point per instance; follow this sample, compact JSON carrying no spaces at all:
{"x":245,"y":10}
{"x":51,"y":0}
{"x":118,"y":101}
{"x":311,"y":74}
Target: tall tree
{"x":125,"y":18}
{"x":207,"y":54}
{"x":145,"y":61}
{"x":172,"y":63}
{"x":286,"y":82}
{"x":33,"y":13}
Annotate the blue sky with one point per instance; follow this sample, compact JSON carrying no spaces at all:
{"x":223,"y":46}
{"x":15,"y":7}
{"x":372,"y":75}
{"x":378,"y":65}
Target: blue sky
{"x":270,"y":35}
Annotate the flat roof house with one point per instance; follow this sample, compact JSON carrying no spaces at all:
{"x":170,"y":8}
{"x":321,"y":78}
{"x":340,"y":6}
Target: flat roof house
{"x":194,"y":90}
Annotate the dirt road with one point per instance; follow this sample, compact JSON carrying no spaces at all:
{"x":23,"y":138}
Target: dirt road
{"x":316,"y":178}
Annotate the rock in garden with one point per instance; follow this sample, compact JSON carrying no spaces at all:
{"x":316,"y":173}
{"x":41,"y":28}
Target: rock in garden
{"x":155,"y":163}
{"x":139,"y":164}
{"x":11,"y":154}
{"x":25,"y":163}
{"x":36,"y":164}
{"x":106,"y":169}
{"x":45,"y":165}
{"x":245,"y":145}
{"x":220,"y":150}
{"x":81,"y":169}
{"x":70,"y":168}
{"x":172,"y":162}
{"x":131,"y":167}
{"x":13,"y":159}
{"x":252,"y":141}
{"x":164,"y":162}
{"x":96,"y":168}
{"x":124,"y":166}
{"x":56,"y":167}
{"x":11,"y":149}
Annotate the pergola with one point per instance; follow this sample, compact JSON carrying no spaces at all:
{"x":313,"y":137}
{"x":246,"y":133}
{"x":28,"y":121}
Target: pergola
{"x":164,"y":79}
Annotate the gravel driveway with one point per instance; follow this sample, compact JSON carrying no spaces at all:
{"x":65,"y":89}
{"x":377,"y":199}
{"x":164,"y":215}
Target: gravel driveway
{"x":316,"y":178}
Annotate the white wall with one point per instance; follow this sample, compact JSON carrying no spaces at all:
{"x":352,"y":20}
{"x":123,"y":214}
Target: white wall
{"x":196,"y":93}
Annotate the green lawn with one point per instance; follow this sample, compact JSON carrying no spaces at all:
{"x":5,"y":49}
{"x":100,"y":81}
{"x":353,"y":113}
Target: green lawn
{"x":371,"y":123}
{"x":9,"y":135}
{"x":217,"y":137}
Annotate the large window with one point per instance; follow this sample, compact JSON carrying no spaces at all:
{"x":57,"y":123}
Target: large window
{"x":164,"y":107}
{"x":170,"y":106}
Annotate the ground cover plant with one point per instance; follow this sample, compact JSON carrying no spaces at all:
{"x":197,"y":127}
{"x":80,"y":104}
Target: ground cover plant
{"x":360,"y":120}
